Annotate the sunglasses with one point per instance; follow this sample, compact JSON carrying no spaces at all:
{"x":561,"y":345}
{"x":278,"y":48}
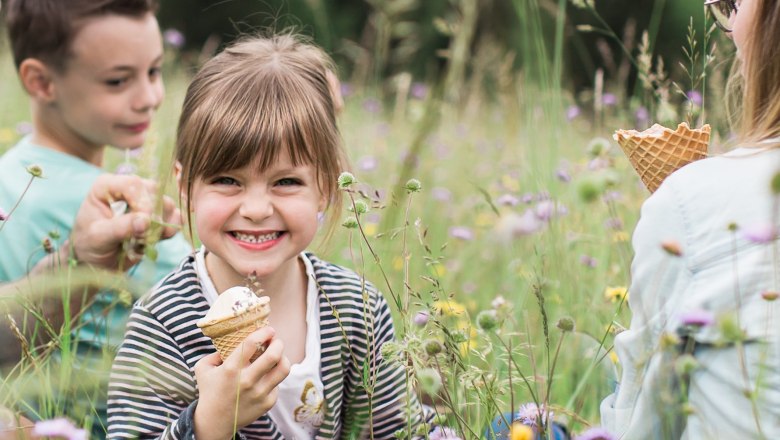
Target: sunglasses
{"x":722,"y":11}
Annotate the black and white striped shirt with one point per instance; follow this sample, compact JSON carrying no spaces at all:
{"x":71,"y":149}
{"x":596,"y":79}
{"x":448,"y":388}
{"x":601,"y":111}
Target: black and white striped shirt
{"x":152,"y":390}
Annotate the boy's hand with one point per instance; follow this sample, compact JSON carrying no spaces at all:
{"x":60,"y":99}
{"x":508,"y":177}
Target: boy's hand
{"x":98,"y":233}
{"x":237,"y":391}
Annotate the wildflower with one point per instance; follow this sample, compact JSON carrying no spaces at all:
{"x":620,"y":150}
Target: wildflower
{"x":125,"y":168}
{"x":769,"y":295}
{"x":519,"y":431}
{"x":642,"y":116}
{"x":35,"y":170}
{"x":598,"y":146}
{"x":761,"y":233}
{"x":616,"y":294}
{"x":372,"y":105}
{"x":547,"y":209}
{"x":441,"y":194}
{"x":359,"y":207}
{"x":350,"y":223}
{"x":418,"y":90}
{"x":449,"y":308}
{"x":421,"y":318}
{"x":589,"y":189}
{"x":24,"y":128}
{"x":47,"y":246}
{"x":367,"y":163}
{"x":612,"y":196}
{"x":507,"y":200}
{"x":443,"y":433}
{"x":413,"y":186}
{"x":572,"y":112}
{"x":697,"y":318}
{"x":487,"y":320}
{"x":433,"y":347}
{"x":59,"y":428}
{"x":430,"y":380}
{"x":596,"y":433}
{"x":532,"y":414}
{"x":562,"y":175}
{"x":565,"y":324}
{"x":620,"y":237}
{"x":609,"y":99}
{"x":671,"y":247}
{"x":499,"y":302}
{"x":730,"y":329}
{"x":461,"y":233}
{"x":588,"y":261}
{"x":346,"y":180}
{"x":346,"y":89}
{"x":613,"y":223}
{"x":685,"y":364}
{"x":670,"y":340}
{"x":513,"y":225}
{"x":695,"y":97}
{"x":174,"y":38}
{"x":3,"y":215}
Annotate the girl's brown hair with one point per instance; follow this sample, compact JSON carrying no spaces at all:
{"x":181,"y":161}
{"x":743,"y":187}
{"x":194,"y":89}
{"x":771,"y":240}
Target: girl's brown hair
{"x":258,"y":98}
{"x":760,"y":118}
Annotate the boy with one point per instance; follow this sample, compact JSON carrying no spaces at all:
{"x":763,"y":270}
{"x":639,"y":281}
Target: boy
{"x":92,"y":71}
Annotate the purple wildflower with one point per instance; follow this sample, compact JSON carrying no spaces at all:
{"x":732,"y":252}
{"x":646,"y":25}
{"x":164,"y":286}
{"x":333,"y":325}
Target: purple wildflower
{"x":419,"y":90}
{"x":514,"y":225}
{"x":695,"y":97}
{"x":441,"y":194}
{"x":697,"y":318}
{"x":598,"y":163}
{"x":528,"y":198}
{"x":609,"y":99}
{"x":572,"y":112}
{"x":529,"y":414}
{"x":760,"y":233}
{"x":588,"y":261}
{"x":548,"y":209}
{"x":613,"y":223}
{"x":421,"y":318}
{"x":443,"y":433}
{"x":125,"y":168}
{"x":367,"y":163}
{"x":174,"y":38}
{"x":3,"y":215}
{"x":24,"y":128}
{"x":462,"y":233}
{"x":563,"y":175}
{"x":543,"y":195}
{"x":346,"y":90}
{"x":642,"y":116}
{"x":596,"y":433}
{"x":372,"y":105}
{"x":59,"y":428}
{"x":507,"y":200}
{"x":612,"y":196}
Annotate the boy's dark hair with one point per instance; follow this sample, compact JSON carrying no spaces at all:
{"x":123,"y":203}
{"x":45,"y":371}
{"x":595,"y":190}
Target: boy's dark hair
{"x":45,"y":29}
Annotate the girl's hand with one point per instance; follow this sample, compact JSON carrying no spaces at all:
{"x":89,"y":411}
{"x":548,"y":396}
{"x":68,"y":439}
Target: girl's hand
{"x":235,"y":393}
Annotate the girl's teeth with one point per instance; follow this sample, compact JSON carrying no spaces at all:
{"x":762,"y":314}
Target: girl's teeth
{"x":256,"y":238}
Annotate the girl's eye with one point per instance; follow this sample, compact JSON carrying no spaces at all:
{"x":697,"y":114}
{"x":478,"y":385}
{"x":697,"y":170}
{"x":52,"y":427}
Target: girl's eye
{"x":154,"y":72}
{"x":115,"y":82}
{"x":288,"y":181}
{"x":224,"y":180}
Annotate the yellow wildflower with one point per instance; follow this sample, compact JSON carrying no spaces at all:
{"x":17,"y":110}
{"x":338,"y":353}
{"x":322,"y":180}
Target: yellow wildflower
{"x":370,"y":229}
{"x":485,"y":219}
{"x":613,"y":357}
{"x":449,"y":308}
{"x":438,"y":270}
{"x":510,"y":183}
{"x":616,"y":294}
{"x":620,"y":237}
{"x":518,"y":431}
{"x":398,"y":263}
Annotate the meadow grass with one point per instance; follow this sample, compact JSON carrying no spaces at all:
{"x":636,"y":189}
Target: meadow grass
{"x":522,"y":220}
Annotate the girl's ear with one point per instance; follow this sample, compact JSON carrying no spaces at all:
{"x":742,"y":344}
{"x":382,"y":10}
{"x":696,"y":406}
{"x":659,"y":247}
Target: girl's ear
{"x":38,"y":80}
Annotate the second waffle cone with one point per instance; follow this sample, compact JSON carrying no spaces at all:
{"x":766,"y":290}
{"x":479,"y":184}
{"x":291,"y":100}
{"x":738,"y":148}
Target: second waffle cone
{"x":659,"y":151}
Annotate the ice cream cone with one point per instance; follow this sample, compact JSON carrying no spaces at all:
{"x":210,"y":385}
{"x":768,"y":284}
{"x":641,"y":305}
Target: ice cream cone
{"x":659,"y":151}
{"x":228,"y":328}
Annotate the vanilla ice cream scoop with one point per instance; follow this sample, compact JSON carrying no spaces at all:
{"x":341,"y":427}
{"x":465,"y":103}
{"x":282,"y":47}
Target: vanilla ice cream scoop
{"x":235,"y":314}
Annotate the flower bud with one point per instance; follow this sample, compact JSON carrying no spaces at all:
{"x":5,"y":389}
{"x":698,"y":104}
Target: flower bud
{"x":672,"y":247}
{"x":433,"y":347}
{"x":35,"y":170}
{"x":565,"y":324}
{"x":350,"y":223}
{"x":487,"y":320}
{"x":359,"y":207}
{"x":413,"y":185}
{"x":346,"y":180}
{"x":769,"y":295}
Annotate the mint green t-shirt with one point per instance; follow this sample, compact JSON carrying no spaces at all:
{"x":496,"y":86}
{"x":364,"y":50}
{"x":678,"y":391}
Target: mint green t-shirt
{"x":50,"y":204}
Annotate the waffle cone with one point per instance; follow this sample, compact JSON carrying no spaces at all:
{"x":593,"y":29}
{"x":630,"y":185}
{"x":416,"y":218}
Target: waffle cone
{"x":229,"y":332}
{"x":656,"y":155}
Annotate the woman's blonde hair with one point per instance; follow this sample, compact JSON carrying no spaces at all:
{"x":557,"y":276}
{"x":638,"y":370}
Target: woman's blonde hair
{"x":760,"y":115}
{"x":260,"y":97}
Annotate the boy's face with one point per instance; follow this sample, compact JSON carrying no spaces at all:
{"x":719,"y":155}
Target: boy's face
{"x":111,"y":84}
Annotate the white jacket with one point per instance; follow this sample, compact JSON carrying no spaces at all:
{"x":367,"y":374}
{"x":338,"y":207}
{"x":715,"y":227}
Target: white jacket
{"x":720,"y":270}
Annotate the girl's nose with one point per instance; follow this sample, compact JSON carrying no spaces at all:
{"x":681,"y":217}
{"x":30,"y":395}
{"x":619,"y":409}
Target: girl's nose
{"x":256,"y":206}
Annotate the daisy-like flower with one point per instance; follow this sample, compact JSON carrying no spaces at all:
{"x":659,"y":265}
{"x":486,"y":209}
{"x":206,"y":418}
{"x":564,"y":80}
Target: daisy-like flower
{"x":616,"y":294}
{"x":443,"y":433}
{"x":596,"y":433}
{"x":532,"y":414}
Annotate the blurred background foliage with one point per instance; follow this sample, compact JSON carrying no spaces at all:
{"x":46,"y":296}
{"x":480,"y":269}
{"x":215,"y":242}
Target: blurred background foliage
{"x":374,"y":40}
